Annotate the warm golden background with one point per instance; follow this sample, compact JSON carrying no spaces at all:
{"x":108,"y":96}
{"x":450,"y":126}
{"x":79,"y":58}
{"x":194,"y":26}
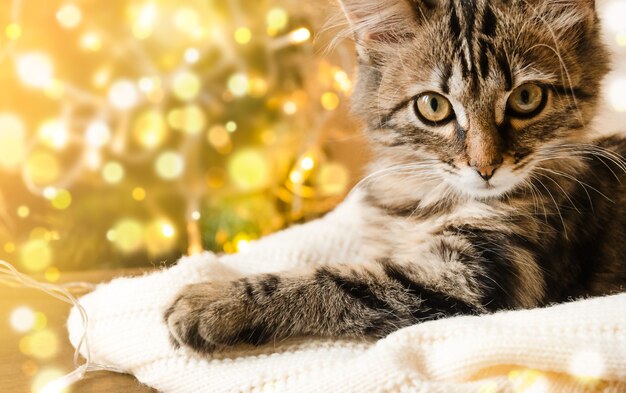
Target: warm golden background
{"x":132,"y":132}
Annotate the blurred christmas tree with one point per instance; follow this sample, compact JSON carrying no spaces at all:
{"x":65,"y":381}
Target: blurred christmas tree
{"x":132,"y":132}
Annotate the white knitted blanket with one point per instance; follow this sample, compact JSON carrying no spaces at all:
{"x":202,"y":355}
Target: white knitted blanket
{"x":574,"y":347}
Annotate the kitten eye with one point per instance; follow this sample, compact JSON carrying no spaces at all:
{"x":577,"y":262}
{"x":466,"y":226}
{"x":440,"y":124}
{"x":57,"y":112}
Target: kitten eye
{"x":527,"y":100}
{"x":433,"y":109}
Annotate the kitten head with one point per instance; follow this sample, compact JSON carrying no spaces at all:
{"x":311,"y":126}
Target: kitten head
{"x":480,"y":89}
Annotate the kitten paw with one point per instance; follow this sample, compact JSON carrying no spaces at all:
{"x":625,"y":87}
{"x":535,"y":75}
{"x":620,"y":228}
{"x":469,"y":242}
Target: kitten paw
{"x":211,"y":316}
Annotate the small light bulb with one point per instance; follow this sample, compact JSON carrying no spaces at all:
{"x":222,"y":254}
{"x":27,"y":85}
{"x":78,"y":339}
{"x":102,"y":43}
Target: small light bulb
{"x":192,"y":55}
{"x":35,"y":69}
{"x":300,"y":35}
{"x":98,"y":134}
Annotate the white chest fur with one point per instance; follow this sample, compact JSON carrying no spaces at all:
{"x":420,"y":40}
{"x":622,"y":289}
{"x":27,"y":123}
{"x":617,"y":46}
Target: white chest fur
{"x":411,"y":237}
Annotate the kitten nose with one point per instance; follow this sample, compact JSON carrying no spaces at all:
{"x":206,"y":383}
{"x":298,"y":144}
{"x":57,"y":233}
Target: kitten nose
{"x":486,"y":172}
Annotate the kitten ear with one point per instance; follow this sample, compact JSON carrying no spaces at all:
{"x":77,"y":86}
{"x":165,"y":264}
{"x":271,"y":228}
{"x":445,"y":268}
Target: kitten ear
{"x":375,"y":22}
{"x":568,"y":16}
{"x":574,"y":19}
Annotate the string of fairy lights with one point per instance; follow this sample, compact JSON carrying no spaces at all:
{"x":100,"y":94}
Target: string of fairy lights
{"x":153,"y":128}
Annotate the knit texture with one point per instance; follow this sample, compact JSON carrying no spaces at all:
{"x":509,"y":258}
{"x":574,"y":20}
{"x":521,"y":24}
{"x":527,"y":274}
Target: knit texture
{"x":574,"y":347}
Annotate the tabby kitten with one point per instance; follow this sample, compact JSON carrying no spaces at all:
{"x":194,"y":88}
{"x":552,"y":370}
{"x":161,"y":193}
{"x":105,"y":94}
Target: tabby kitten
{"x":487,"y":190}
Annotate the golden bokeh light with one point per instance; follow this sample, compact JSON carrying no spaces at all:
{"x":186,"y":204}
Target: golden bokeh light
{"x":187,"y":20}
{"x":54,"y":89}
{"x":308,"y":177}
{"x":342,"y":81}
{"x":41,"y":321}
{"x":276,"y":20}
{"x":257,"y":87}
{"x":330,"y":101}
{"x":297,"y":176}
{"x":231,"y":126}
{"x":160,"y":236}
{"x":192,"y":55}
{"x":113,"y":172}
{"x":35,"y":255}
{"x":307,"y":163}
{"x":186,"y":85}
{"x":13,"y":31}
{"x":61,"y":200}
{"x":169,"y":165}
{"x":69,"y":16}
{"x":219,"y":138}
{"x":9,"y":247}
{"x":167,"y":230}
{"x":98,"y":134}
{"x":53,"y":133}
{"x":42,"y":167}
{"x":93,"y":159}
{"x":248,"y":169}
{"x":123,"y":94}
{"x":190,"y":119}
{"x":147,"y":84}
{"x":241,"y":242}
{"x":49,"y":193}
{"x":290,"y":107}
{"x":52,"y":274}
{"x":152,"y":88}
{"x":35,"y":69}
{"x":150,"y":129}
{"x":144,"y":20}
{"x":91,"y":41}
{"x":139,"y":194}
{"x":243,"y":35}
{"x":101,"y":77}
{"x":22,"y":319}
{"x":300,"y":35}
{"x":238,"y":84}
{"x":23,"y":211}
{"x":12,"y":140}
{"x":127,"y":235}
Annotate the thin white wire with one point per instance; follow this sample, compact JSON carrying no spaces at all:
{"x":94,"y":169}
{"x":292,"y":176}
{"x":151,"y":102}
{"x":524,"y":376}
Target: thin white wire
{"x":10,"y":276}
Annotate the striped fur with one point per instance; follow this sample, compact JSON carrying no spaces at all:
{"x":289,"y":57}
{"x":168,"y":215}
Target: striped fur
{"x":550,"y":225}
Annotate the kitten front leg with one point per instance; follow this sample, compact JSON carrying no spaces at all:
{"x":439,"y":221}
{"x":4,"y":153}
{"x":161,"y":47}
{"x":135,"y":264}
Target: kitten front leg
{"x":340,"y":301}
